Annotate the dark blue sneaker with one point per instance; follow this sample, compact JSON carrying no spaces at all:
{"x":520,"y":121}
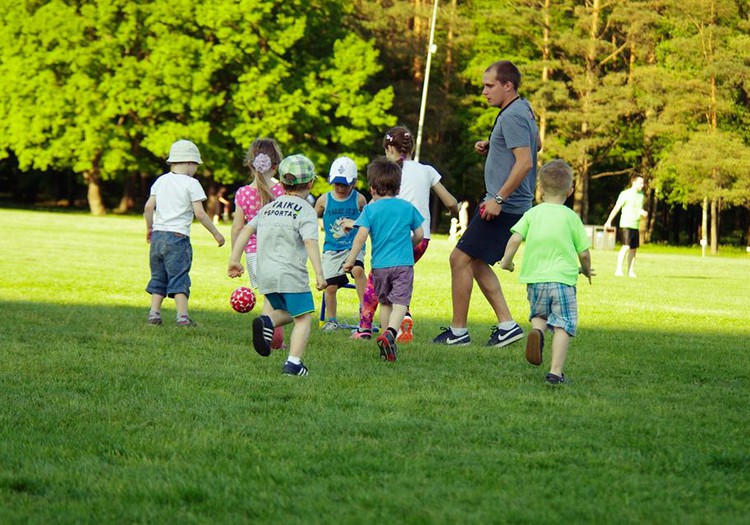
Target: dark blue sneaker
{"x":535,"y":347}
{"x":500,"y":337}
{"x":387,"y":345}
{"x":291,"y":369}
{"x":262,"y":335}
{"x":553,"y":379}
{"x":446,"y":337}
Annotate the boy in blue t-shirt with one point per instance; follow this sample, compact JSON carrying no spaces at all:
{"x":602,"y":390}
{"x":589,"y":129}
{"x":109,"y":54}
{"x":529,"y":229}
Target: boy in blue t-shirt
{"x":339,"y":208}
{"x":395,"y":227}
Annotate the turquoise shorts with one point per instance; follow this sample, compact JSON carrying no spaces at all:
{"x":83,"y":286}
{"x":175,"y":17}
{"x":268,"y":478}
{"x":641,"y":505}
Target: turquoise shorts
{"x":295,"y":303}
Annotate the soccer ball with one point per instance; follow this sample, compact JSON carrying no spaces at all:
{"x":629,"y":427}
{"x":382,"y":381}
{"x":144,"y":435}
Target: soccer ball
{"x":242,"y":300}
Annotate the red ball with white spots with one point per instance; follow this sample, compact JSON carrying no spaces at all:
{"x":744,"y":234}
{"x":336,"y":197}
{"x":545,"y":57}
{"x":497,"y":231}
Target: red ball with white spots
{"x":242,"y":300}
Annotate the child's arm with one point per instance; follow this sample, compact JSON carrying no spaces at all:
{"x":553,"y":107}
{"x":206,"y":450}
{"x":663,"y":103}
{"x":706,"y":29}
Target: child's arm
{"x":357,"y":243}
{"x":320,"y":205}
{"x":361,"y":202}
{"x":506,"y":263}
{"x":205,"y":220}
{"x":585,"y":259}
{"x":313,"y":253}
{"x":417,"y":236}
{"x":445,"y":196}
{"x":148,"y":214}
{"x":237,"y":223}
{"x":235,"y":268}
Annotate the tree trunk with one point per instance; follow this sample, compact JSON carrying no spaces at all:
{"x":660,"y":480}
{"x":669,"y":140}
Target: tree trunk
{"x":127,"y":201}
{"x":714,"y":226}
{"x":94,"y":194}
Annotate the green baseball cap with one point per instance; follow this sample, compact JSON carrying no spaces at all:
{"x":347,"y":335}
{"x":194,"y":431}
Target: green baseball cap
{"x":296,"y":169}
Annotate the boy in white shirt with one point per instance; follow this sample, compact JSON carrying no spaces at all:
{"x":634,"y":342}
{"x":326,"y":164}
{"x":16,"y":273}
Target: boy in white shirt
{"x":176,"y":197}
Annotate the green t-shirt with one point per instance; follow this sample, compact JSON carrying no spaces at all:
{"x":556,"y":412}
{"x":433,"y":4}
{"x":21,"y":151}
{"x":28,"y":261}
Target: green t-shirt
{"x":632,"y":204}
{"x":554,"y":237}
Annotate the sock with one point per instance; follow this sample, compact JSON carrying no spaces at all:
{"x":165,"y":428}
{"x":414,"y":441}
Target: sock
{"x":182,"y":317}
{"x":332,"y":320}
{"x":459,"y":331}
{"x":294,"y":360}
{"x":392,"y":331}
{"x":506,"y":325}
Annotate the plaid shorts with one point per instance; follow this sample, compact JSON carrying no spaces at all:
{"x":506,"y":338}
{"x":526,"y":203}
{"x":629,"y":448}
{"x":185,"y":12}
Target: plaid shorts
{"x":556,"y":303}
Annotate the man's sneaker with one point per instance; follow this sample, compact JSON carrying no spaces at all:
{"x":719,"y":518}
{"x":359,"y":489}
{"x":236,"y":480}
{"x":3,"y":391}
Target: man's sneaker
{"x":405,"y":335}
{"x":387,"y":345}
{"x":447,"y":337}
{"x":330,"y":326}
{"x":154,"y":320}
{"x":291,"y":369}
{"x":186,"y":321}
{"x":262,"y":335}
{"x":553,"y":379}
{"x":535,"y":346}
{"x":500,"y":337}
{"x":362,"y":334}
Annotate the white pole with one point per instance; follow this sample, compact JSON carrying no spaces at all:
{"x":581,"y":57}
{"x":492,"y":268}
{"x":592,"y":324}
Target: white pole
{"x":431,"y":48}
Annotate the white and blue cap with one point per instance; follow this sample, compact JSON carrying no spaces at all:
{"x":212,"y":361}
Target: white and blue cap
{"x":343,"y":171}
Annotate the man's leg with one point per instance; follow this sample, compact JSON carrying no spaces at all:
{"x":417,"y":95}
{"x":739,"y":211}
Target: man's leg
{"x":621,"y":259}
{"x":462,"y":282}
{"x":490,"y":286}
{"x":631,"y":262}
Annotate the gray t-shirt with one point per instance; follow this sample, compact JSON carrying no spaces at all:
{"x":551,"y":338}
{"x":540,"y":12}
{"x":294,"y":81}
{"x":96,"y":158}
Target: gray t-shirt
{"x":283,"y":227}
{"x":515,"y":127}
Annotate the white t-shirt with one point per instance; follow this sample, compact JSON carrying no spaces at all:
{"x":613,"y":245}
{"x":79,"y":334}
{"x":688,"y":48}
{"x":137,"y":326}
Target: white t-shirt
{"x":416,"y":181}
{"x":175,"y":195}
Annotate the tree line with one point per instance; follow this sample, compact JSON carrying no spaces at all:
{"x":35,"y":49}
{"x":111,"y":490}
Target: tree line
{"x":93,"y":92}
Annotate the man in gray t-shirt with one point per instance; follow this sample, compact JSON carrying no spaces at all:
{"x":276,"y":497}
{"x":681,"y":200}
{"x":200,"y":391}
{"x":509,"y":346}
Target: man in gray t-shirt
{"x":510,"y":181}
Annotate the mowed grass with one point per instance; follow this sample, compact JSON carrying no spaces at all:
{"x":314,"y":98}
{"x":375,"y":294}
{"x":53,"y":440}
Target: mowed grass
{"x":104,"y":419}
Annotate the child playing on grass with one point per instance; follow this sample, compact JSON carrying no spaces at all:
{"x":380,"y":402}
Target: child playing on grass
{"x":287,"y":230}
{"x":176,"y":197}
{"x":262,"y":159}
{"x":416,"y":181}
{"x":395,"y":228}
{"x":556,"y":242}
{"x":337,"y":207}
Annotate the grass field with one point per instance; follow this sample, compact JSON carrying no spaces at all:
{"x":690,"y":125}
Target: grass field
{"x":104,"y":419}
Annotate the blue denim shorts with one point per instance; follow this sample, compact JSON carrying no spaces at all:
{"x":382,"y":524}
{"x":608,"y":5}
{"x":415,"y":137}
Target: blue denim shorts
{"x":171,"y":257}
{"x":556,"y":303}
{"x":294,"y":303}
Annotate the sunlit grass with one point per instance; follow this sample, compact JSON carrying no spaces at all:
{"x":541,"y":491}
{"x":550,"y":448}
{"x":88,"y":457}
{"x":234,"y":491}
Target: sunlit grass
{"x":106,"y":420}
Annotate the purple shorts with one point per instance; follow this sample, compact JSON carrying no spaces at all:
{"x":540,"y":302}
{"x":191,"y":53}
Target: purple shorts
{"x":393,"y":285}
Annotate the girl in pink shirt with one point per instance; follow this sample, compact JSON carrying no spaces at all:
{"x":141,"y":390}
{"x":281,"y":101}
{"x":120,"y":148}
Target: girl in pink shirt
{"x":262,"y":159}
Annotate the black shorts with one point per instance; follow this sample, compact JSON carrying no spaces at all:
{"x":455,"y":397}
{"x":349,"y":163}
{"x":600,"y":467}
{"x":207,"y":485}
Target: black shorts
{"x":486,"y":240}
{"x":630,"y":237}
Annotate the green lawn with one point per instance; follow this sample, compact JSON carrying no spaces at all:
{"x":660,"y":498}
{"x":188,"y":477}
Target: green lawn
{"x":104,"y":419}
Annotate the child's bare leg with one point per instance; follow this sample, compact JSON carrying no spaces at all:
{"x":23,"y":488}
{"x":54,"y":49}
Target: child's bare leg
{"x":280,"y":317}
{"x":156,"y":302}
{"x":181,"y":304}
{"x":560,"y":343}
{"x":360,"y":281}
{"x":397,"y":313}
{"x":331,"y":301}
{"x":300,"y":334}
{"x":385,"y":316}
{"x":539,"y":323}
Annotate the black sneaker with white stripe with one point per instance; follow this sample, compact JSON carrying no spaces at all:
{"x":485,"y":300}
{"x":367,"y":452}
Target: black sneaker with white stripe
{"x":500,"y":337}
{"x":291,"y":369}
{"x":447,"y":337}
{"x":262,"y":335}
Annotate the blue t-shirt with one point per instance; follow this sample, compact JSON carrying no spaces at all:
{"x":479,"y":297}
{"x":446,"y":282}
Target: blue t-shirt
{"x":335,"y":212}
{"x":390,"y":222}
{"x":515,"y":128}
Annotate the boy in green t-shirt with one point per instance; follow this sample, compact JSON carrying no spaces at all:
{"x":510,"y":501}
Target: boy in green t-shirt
{"x":556,"y":242}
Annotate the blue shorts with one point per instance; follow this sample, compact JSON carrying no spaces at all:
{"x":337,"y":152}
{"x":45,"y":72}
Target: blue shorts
{"x":556,"y":303}
{"x":170,"y":258}
{"x":393,"y":285}
{"x":295,"y":303}
{"x":486,"y":240}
